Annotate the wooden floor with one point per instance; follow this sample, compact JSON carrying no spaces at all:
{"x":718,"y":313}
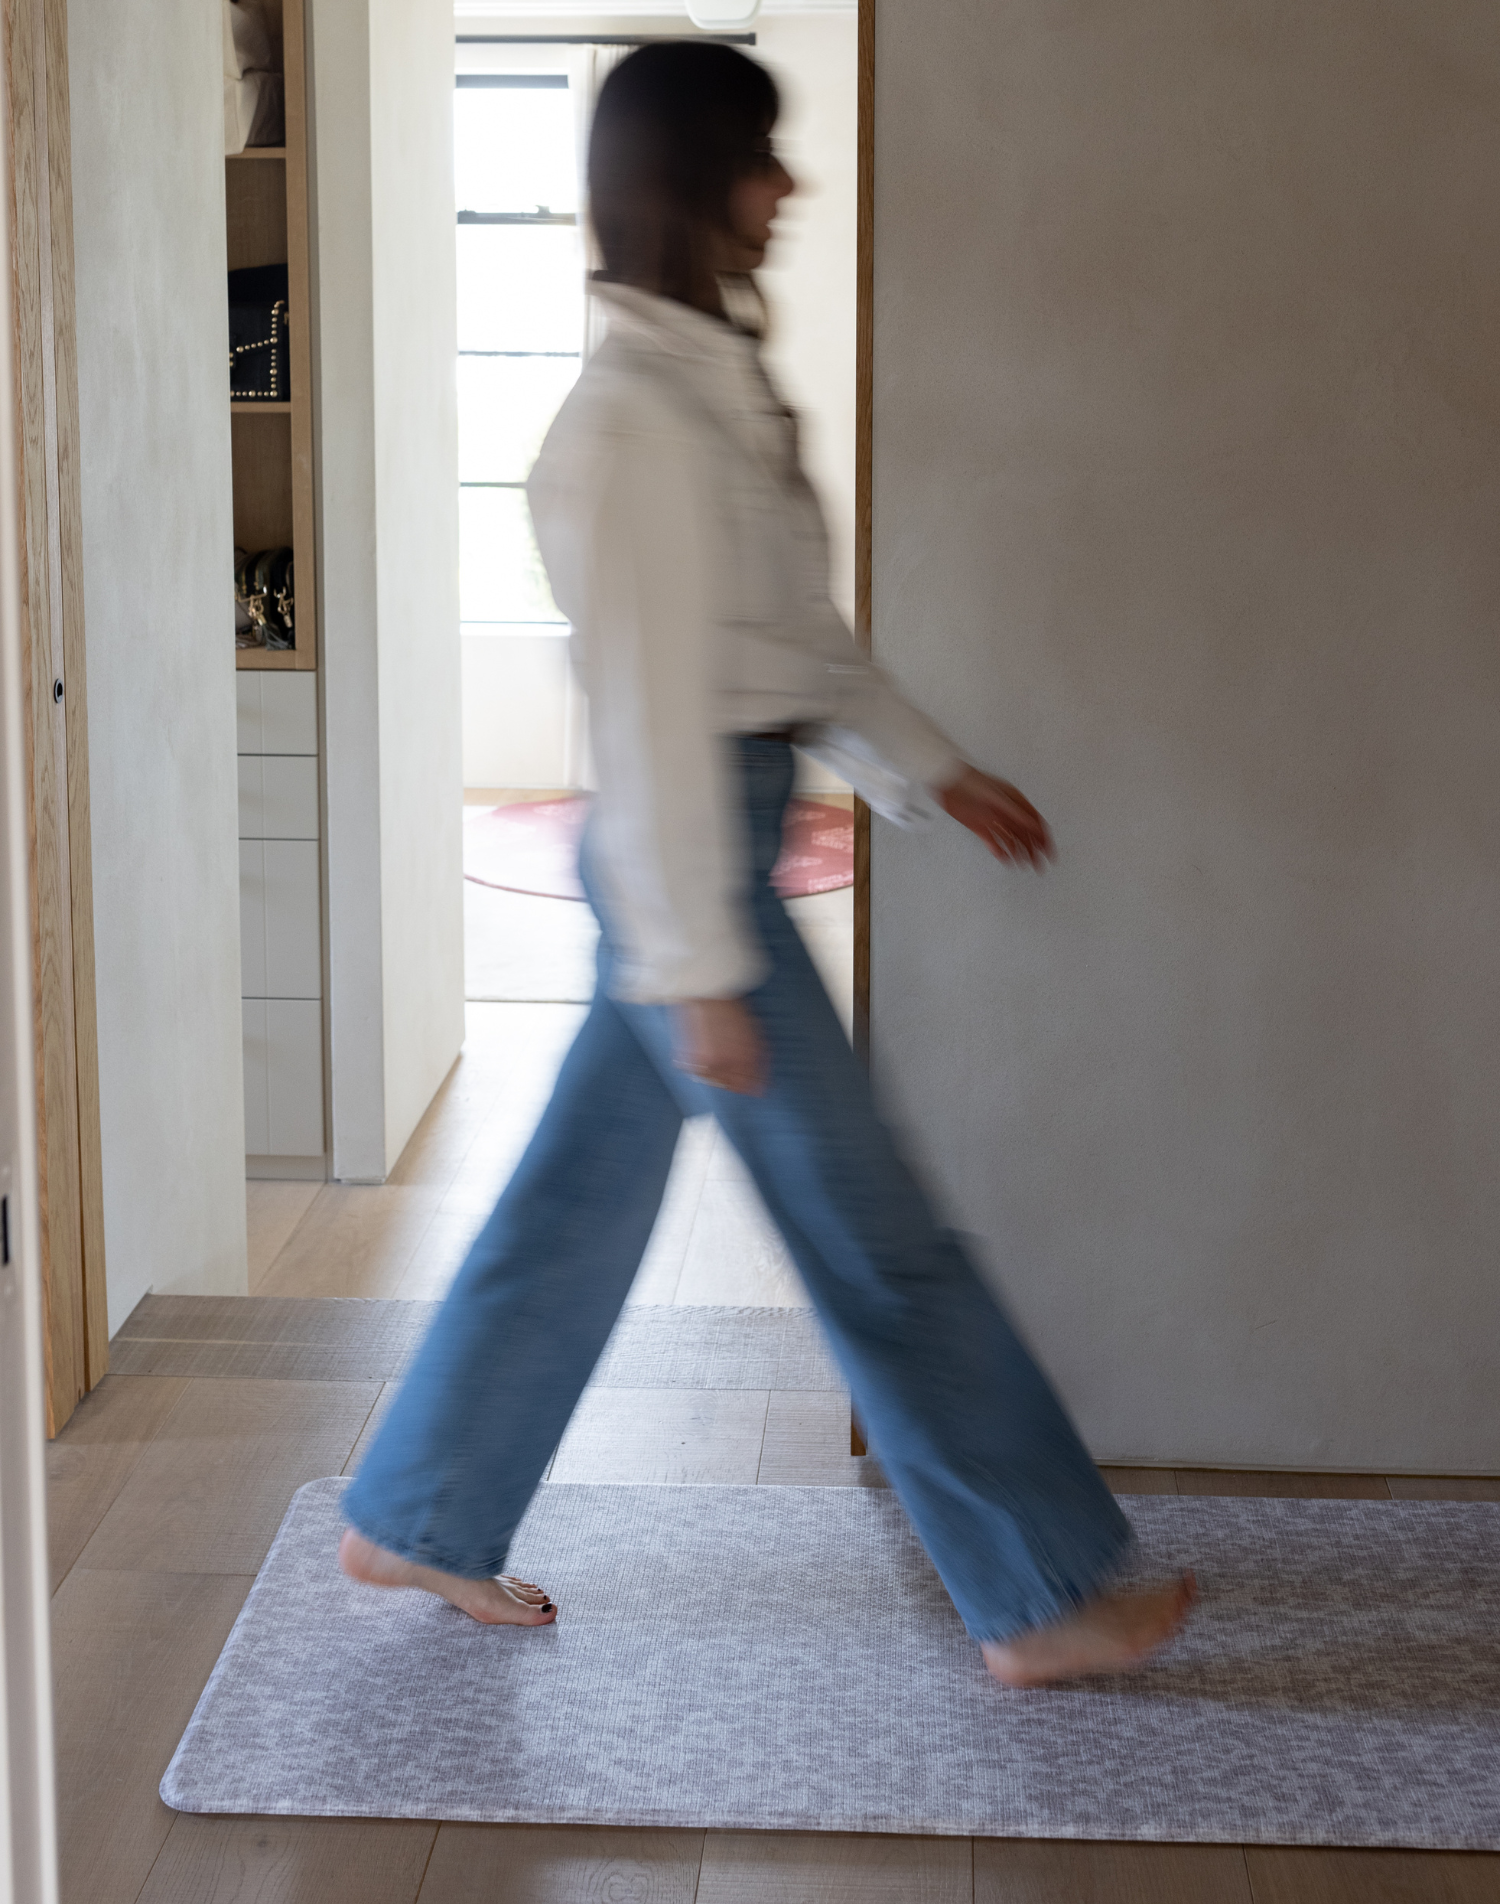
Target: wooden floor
{"x":407,"y":1237}
{"x":166,"y":1492}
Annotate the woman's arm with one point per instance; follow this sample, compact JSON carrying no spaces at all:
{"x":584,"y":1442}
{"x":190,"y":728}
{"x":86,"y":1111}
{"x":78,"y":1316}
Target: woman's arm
{"x":1000,"y":815}
{"x":626,"y":523}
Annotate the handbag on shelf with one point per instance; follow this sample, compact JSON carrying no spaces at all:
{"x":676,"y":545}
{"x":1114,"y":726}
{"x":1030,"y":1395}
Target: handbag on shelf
{"x":264,"y":599}
{"x":254,"y":87}
{"x":248,"y":632}
{"x":259,"y":360}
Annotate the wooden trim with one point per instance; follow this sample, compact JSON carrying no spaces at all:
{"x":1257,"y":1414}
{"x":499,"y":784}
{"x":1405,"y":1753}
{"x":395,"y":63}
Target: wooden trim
{"x":304,"y":656}
{"x":864,"y":430}
{"x":75,"y":701}
{"x":69,"y":1168}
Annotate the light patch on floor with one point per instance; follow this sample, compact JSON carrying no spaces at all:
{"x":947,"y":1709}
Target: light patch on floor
{"x":713,"y":1242}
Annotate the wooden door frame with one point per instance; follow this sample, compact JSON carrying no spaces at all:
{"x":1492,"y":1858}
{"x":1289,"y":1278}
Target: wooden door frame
{"x":864,"y":421}
{"x":70,"y":1169}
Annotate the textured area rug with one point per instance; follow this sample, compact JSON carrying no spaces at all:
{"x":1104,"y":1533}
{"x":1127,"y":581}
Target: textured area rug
{"x":803,"y":1669}
{"x":532,"y":847}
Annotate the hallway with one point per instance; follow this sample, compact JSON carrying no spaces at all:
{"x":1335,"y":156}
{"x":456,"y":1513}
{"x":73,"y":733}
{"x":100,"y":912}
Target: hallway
{"x":167,"y":1489}
{"x":405,"y":1238}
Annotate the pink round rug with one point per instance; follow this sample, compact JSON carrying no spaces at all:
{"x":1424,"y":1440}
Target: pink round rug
{"x":532,"y":847}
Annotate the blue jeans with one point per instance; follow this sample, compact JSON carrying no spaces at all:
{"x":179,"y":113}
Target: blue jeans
{"x":1001,"y":1492}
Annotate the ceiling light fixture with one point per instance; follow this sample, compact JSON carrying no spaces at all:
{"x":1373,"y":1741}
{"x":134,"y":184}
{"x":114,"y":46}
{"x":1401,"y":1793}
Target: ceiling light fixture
{"x":722,"y":16}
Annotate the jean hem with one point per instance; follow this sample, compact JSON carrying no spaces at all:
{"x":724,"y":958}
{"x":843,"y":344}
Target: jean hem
{"x":1071,"y":1596}
{"x":420,"y":1557}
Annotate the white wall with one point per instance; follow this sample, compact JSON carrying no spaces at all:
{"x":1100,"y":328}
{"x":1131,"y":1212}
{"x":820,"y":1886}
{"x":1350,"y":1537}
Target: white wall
{"x":810,"y":274}
{"x":158,"y":540}
{"x":382,"y":93}
{"x":416,"y":466}
{"x":1187,"y":425}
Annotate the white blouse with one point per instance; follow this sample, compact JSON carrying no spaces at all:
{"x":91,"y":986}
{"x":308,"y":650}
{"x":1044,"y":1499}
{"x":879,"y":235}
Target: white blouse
{"x":686,"y":547}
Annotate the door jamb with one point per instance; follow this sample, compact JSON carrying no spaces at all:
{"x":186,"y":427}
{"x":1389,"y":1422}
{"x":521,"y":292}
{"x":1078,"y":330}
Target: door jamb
{"x":864,"y":406}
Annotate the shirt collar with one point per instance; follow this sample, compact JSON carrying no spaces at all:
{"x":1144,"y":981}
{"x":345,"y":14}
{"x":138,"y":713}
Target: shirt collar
{"x":673,"y":327}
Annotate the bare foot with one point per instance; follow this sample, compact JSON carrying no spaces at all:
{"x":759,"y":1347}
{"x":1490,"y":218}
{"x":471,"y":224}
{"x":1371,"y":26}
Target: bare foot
{"x":1108,"y":1635}
{"x":502,"y":1601}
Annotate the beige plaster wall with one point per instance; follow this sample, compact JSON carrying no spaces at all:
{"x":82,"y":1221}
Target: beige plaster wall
{"x":1187,"y":475}
{"x":145,"y":78}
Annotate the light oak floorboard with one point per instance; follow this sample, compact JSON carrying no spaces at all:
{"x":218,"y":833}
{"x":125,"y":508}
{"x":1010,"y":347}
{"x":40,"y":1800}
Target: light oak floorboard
{"x":490,"y":1161}
{"x":1283,"y":1487}
{"x":1284,"y":1874}
{"x":439,"y":1256}
{"x":467,"y":1099}
{"x":815,"y":1867}
{"x":683,"y":1435}
{"x":96,"y":1453}
{"x":290,"y":1861}
{"x":356,"y":1240}
{"x":1443,"y":1487}
{"x":735,"y":1254}
{"x":272,"y":1213}
{"x":1043,"y":1871}
{"x":131,"y":1652}
{"x":825,"y":923}
{"x":661,"y":1266}
{"x":1141,"y":1480}
{"x":387,"y":1395}
{"x":210,"y":1491}
{"x":562,"y":1864}
{"x":807,"y":1443}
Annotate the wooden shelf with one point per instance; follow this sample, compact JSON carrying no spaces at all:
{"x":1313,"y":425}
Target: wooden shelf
{"x":266,"y":210}
{"x":269,"y":658}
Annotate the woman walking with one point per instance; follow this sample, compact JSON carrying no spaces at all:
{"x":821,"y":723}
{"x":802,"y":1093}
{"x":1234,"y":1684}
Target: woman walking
{"x":688,"y":551}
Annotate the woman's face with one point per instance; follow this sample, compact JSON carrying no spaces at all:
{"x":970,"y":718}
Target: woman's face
{"x":753,"y":203}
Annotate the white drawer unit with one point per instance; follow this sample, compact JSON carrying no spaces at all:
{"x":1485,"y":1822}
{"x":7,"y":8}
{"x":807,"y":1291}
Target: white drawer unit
{"x":283,"y":1077}
{"x":281,"y":938}
{"x":278,"y":797}
{"x":281,"y":915}
{"x":278,"y":713}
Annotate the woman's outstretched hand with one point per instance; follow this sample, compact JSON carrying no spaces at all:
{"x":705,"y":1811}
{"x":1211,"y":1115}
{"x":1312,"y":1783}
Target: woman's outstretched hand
{"x":1001,"y":816}
{"x":719,"y":1042}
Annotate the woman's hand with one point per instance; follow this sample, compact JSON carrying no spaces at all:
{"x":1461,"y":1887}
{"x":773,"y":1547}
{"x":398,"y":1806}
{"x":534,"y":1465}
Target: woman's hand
{"x":719,"y":1041}
{"x":1000,"y":815}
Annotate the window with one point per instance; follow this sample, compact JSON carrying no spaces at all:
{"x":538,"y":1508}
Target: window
{"x":520,"y":330}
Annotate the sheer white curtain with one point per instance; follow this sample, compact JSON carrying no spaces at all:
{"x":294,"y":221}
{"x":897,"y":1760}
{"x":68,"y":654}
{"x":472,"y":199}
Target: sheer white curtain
{"x":587,"y":69}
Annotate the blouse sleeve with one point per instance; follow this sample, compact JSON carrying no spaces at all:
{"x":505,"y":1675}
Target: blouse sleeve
{"x":888,"y":751}
{"x":629,"y":536}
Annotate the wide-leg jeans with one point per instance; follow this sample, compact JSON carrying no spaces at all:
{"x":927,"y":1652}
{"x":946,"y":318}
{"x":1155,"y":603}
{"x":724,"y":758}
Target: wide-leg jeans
{"x":1013,"y":1513}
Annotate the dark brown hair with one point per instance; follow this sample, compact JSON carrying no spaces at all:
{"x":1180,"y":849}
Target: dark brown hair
{"x":677,"y":125}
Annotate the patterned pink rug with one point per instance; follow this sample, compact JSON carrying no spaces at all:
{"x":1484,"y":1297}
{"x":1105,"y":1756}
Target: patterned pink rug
{"x":532,"y":847}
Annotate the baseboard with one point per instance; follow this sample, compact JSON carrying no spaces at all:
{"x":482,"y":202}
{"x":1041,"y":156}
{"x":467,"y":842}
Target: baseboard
{"x":286,"y":1169}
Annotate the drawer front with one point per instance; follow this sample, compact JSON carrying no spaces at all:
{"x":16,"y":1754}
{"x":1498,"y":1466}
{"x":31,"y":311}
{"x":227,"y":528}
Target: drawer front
{"x":278,"y":797}
{"x":257,"y":1079}
{"x":278,"y":713}
{"x":252,"y":918}
{"x":294,"y":1077}
{"x":281,"y":940}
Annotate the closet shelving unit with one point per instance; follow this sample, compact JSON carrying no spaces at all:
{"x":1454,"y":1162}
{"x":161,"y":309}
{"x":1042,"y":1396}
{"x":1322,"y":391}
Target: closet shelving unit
{"x":265,"y":199}
{"x":280,"y":778}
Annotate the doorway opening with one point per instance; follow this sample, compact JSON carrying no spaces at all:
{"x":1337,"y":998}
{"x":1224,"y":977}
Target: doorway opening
{"x":525,"y":328}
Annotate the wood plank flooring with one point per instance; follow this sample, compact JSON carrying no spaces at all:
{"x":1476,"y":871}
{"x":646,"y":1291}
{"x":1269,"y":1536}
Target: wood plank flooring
{"x":167,"y":1490}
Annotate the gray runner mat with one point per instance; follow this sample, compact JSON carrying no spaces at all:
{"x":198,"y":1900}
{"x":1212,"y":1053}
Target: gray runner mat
{"x":785,"y":1658}
{"x":349,"y":1339}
